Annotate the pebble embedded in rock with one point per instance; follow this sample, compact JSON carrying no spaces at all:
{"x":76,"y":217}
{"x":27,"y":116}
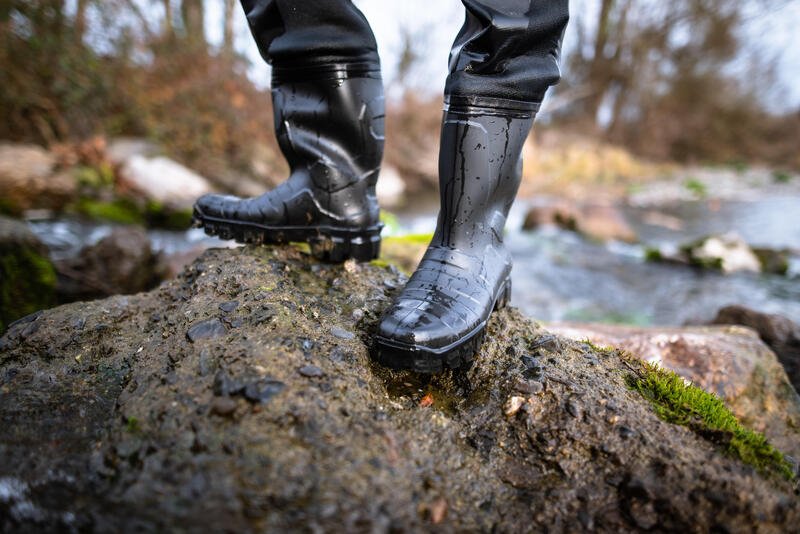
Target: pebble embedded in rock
{"x":342,"y":333}
{"x":225,"y":385}
{"x":340,"y":354}
{"x":529,"y":386}
{"x":29,"y":330}
{"x":512,"y":405}
{"x":263,"y":390}
{"x":625,"y":432}
{"x":229,"y":306}
{"x":548,"y":343}
{"x":310,"y":371}
{"x":223,"y":406}
{"x":209,"y":329}
{"x":533,"y":369}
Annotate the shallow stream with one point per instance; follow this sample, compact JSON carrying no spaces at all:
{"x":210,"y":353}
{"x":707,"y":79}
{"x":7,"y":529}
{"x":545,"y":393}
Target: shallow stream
{"x":560,"y":275}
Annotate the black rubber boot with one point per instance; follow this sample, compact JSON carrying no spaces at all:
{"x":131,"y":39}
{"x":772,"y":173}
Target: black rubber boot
{"x":438,"y":319}
{"x":329,"y":123}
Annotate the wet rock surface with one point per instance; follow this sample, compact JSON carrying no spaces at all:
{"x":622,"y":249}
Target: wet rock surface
{"x":780,"y":333}
{"x":113,"y":421}
{"x":730,"y":361}
{"x":597,"y":221}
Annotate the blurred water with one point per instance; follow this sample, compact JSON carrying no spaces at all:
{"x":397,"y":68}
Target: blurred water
{"x":559,"y":275}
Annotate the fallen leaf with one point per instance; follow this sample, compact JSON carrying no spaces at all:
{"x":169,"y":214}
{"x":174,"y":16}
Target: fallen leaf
{"x":427,"y":400}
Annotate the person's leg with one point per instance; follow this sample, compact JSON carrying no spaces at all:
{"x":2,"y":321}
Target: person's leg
{"x":328,"y":105}
{"x":503,"y":60}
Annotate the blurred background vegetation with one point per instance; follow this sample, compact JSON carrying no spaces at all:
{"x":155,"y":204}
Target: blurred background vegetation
{"x":649,"y":76}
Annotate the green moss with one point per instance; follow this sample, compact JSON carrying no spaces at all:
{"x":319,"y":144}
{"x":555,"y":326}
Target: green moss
{"x":132,"y":427}
{"x":680,"y":403}
{"x":738,"y":165}
{"x":379,"y":263}
{"x":773,"y":261}
{"x":127,"y":211}
{"x":419,"y":239}
{"x":6,"y":207}
{"x":781,"y":177}
{"x":27,"y":284}
{"x":159,"y":216}
{"x":597,"y":348}
{"x":95,"y":177}
{"x":120,"y":210}
{"x":697,"y":187}
{"x":652,"y":254}
{"x":390,"y":221}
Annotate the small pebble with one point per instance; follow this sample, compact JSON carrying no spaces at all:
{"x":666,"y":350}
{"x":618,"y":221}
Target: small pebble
{"x":342,"y":333}
{"x":223,"y":406}
{"x":358,"y":314}
{"x":548,"y":343}
{"x":209,"y":329}
{"x":573,"y":409}
{"x":625,"y":432}
{"x":263,"y":390}
{"x":310,"y":371}
{"x":229,"y":306}
{"x":512,"y":405}
{"x":533,"y":369}
{"x":529,"y":386}
{"x":225,"y":385}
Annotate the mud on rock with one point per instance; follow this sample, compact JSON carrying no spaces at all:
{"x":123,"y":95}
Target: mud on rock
{"x":240,"y":397}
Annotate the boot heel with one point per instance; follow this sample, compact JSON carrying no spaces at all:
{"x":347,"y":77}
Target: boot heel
{"x":505,"y":295}
{"x":336,"y":249}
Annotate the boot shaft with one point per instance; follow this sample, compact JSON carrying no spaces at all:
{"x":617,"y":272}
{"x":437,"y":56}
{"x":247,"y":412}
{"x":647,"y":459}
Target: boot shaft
{"x":480,"y":168}
{"x":331,"y":130}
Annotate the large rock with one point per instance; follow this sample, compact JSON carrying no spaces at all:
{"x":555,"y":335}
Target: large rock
{"x":780,"y":333}
{"x":164,"y":180}
{"x":28,"y":179}
{"x":597,"y":221}
{"x":240,"y":397}
{"x":727,"y":252}
{"x":122,"y":262}
{"x":27,"y":278}
{"x":731,"y":362}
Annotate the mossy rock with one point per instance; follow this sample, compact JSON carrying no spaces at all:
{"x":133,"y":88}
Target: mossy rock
{"x":27,"y":278}
{"x":127,"y":210}
{"x":241,"y":397}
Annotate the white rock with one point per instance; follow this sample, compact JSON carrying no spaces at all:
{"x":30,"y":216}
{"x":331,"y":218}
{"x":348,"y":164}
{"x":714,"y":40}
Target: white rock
{"x":164,"y":180}
{"x":121,"y":149}
{"x":734,"y":253}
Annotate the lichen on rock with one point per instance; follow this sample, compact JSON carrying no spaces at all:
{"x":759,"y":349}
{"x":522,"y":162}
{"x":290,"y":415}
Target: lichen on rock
{"x":114,"y":420}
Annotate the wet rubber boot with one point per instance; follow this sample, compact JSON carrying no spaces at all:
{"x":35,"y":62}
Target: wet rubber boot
{"x":329,"y":121}
{"x":438,"y":319}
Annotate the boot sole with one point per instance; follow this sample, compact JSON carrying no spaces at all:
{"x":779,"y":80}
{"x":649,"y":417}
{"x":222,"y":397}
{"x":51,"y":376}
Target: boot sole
{"x":398,"y":355}
{"x":327,"y":243}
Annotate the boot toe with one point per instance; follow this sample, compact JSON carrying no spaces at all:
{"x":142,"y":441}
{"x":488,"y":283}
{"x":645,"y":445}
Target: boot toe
{"x":412,"y":323}
{"x":214,"y":205}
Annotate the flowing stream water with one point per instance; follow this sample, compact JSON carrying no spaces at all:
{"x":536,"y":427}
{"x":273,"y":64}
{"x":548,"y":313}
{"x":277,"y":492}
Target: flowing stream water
{"x":559,"y":275}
